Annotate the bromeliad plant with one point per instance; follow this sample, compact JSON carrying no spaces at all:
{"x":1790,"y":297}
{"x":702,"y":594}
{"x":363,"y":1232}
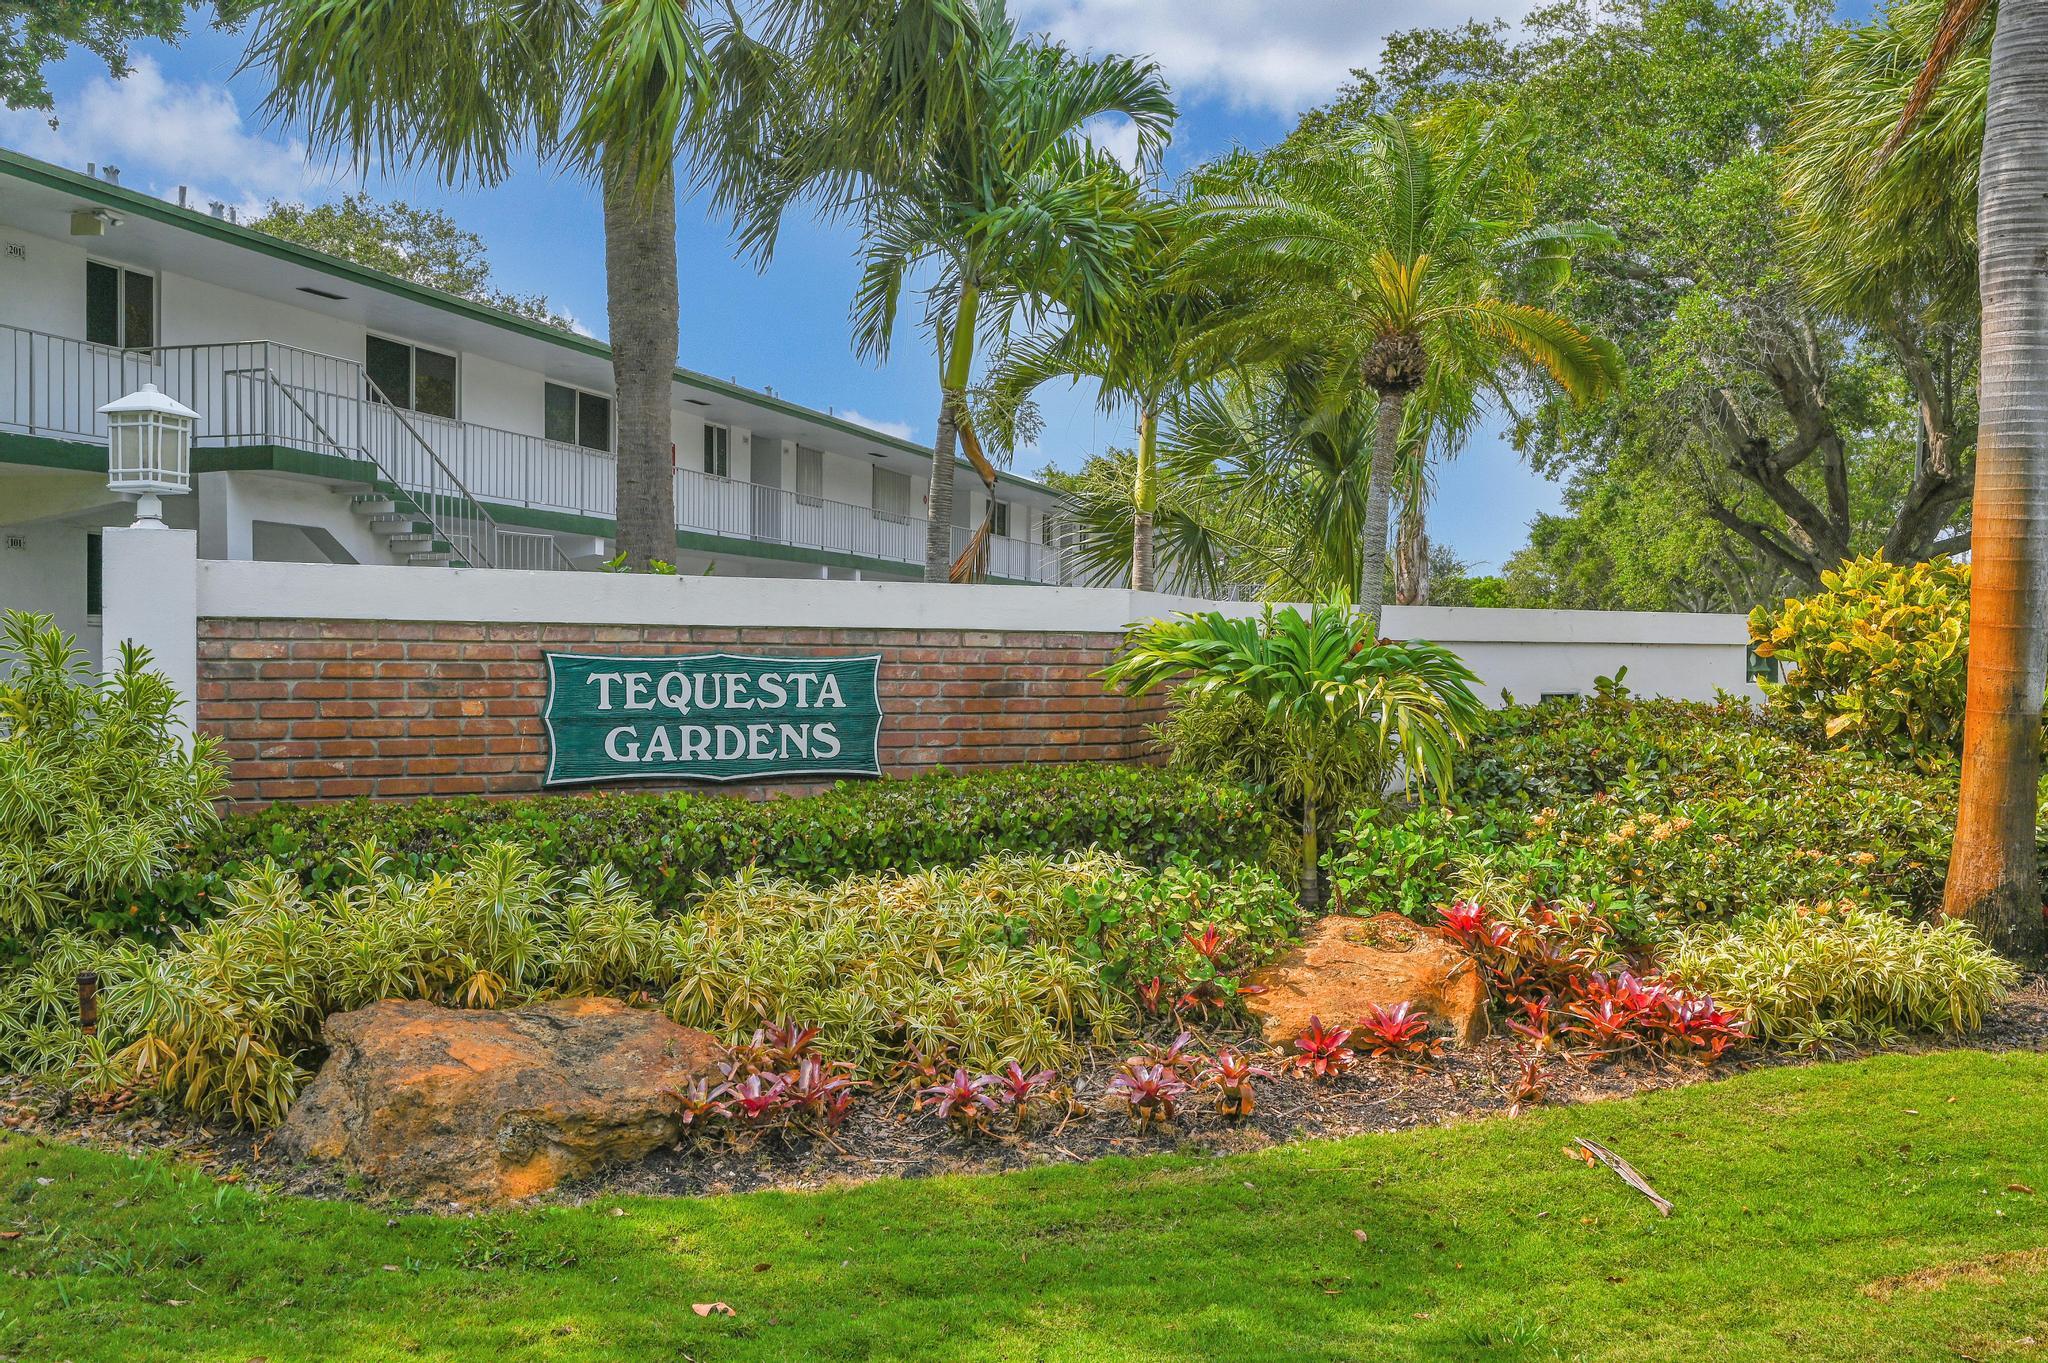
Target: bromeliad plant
{"x":1151,"y":1091}
{"x":967,"y":1101}
{"x":1229,"y":1076}
{"x":1322,"y":1052}
{"x":1401,"y":1031}
{"x":1319,"y":710}
{"x":1557,"y":974}
{"x":1183,"y":939}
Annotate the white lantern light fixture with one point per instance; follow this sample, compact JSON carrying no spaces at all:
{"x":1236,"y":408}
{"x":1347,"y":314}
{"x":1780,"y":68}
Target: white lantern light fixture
{"x":149,"y":450}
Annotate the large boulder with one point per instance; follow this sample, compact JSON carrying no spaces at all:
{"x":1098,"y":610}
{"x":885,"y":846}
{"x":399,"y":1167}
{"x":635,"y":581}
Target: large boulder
{"x":477,"y":1106}
{"x":1345,"y":966}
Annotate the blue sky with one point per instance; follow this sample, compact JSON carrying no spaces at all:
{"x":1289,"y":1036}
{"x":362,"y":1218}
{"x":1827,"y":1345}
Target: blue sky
{"x":1242,"y":70}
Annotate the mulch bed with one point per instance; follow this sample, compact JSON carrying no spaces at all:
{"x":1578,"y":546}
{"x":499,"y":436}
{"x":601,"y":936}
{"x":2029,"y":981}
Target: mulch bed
{"x":886,"y":1139}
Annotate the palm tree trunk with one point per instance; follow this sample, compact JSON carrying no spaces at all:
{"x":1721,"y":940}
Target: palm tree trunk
{"x":1372,"y":540}
{"x":1992,"y":870}
{"x":956,"y":367}
{"x":938,"y":536}
{"x":642,"y":304}
{"x":1144,"y":501}
{"x":1411,"y":554}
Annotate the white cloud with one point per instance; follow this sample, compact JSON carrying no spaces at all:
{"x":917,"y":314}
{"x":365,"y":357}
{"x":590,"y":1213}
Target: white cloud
{"x":164,"y":133}
{"x":902,"y":430}
{"x":1116,"y":135}
{"x":1282,"y":57}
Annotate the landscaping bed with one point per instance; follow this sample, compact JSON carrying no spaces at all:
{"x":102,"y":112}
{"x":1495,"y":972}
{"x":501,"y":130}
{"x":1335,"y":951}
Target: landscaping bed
{"x":885,"y":1137}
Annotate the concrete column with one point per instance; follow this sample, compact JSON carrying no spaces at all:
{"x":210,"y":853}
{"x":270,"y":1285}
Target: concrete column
{"x":224,"y":526}
{"x":149,"y":590}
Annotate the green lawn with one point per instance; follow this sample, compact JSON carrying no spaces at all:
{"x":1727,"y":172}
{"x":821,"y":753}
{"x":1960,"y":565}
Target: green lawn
{"x":1796,"y":1188}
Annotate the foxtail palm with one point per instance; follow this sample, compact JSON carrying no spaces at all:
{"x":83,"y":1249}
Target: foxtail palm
{"x":1993,"y":871}
{"x":1141,"y":357}
{"x":1007,"y":205}
{"x":1398,"y":246}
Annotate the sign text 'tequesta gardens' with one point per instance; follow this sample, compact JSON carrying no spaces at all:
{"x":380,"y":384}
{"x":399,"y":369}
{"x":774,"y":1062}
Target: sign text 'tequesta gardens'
{"x":710,"y":717}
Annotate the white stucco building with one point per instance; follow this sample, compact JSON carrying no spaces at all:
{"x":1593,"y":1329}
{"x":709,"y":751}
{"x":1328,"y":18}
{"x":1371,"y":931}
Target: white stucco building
{"x":351,"y":417}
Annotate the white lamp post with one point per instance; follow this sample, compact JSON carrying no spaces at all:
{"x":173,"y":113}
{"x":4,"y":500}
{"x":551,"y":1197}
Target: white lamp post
{"x":149,"y":450}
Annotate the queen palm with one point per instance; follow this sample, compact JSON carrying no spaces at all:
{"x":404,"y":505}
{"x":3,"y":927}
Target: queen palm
{"x":1396,"y":247}
{"x":1005,"y":205}
{"x":1993,"y":871}
{"x":1141,"y":357}
{"x":618,"y":90}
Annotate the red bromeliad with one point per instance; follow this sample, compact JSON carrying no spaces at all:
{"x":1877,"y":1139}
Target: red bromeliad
{"x":966,"y":1100}
{"x":1321,"y":1052}
{"x":1400,"y":1030}
{"x":1152,"y":1091}
{"x":1230,"y":1074}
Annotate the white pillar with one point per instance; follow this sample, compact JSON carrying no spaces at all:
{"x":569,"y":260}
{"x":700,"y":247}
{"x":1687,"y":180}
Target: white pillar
{"x":225,"y":530}
{"x":149,"y":593}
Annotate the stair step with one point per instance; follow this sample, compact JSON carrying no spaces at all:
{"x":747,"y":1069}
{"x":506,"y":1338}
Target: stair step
{"x":372,"y":504}
{"x":397,"y":525}
{"x":434,"y":557}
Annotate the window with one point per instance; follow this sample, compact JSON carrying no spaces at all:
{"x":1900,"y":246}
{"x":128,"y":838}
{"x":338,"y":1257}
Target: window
{"x":571,"y":416}
{"x":120,"y":307}
{"x":93,"y":578}
{"x":999,"y":519}
{"x":810,"y":475}
{"x":718,"y":451}
{"x":892,"y":495}
{"x":411,"y":376}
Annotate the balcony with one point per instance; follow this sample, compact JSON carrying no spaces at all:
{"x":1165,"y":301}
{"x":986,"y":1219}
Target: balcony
{"x":482,"y":489}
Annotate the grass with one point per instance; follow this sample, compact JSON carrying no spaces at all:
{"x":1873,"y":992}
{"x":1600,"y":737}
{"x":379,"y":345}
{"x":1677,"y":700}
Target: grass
{"x":1863,"y":1211}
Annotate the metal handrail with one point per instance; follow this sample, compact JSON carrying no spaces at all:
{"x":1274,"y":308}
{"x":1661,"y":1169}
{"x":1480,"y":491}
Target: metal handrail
{"x":330,"y":404}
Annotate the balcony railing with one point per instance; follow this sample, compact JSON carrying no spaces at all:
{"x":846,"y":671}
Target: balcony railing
{"x":268,"y":393}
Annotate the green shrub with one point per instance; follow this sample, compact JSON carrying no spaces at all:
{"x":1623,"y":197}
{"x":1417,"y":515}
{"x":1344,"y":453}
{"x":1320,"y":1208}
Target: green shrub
{"x":1657,"y":814}
{"x":670,"y":846}
{"x":1843,"y":973}
{"x":1878,"y":657}
{"x":96,"y":782}
{"x":223,"y":1018}
{"x":1311,"y":707}
{"x":1184,"y":935}
{"x":1015,"y":957}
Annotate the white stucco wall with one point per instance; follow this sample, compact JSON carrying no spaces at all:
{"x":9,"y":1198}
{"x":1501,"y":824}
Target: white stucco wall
{"x":1528,"y":653}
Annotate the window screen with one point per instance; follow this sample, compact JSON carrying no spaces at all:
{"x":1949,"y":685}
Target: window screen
{"x":558,"y":417}
{"x":810,"y":475}
{"x":892,"y":494}
{"x":593,"y":421}
{"x":717,"y":452}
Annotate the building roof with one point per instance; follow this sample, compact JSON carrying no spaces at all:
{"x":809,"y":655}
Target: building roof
{"x":107,"y":194}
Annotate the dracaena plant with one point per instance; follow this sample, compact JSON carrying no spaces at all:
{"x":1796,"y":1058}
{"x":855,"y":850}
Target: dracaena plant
{"x":98,"y":784}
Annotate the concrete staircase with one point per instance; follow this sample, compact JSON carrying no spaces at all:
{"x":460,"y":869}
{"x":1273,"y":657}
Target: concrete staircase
{"x":391,"y":514}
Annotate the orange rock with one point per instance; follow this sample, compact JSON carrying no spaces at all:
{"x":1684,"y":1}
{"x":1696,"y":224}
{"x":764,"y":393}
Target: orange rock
{"x":1344,"y":966}
{"x":477,"y":1106}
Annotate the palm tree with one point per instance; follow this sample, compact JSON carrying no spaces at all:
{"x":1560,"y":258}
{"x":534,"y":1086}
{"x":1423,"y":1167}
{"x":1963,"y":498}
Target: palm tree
{"x":1003,"y":203}
{"x":1396,"y":245}
{"x":1142,"y":356}
{"x":617,"y":90}
{"x":1992,"y":875}
{"x":1313,"y":705}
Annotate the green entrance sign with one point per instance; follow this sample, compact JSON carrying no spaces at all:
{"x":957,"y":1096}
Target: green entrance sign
{"x":710,"y":717}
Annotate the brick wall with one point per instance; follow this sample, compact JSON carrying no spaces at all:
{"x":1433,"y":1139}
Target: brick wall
{"x":328,"y":709}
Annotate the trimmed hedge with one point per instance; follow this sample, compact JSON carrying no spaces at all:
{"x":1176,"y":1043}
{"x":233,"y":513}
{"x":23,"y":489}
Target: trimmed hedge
{"x":669,"y":845}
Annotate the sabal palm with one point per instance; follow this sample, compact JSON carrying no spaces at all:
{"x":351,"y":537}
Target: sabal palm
{"x":1343,"y":707}
{"x":1398,"y":247}
{"x":1006,"y":206}
{"x":618,"y":90}
{"x":1142,"y":357}
{"x":1993,"y":871}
